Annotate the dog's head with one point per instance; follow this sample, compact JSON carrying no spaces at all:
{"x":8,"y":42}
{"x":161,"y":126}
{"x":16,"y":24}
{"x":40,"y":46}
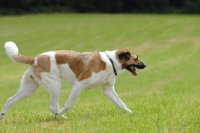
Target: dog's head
{"x":130,"y":61}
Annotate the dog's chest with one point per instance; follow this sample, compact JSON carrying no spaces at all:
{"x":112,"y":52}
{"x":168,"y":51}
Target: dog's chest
{"x":97,"y":80}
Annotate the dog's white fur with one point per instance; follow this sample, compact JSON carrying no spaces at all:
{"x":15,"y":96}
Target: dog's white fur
{"x":52,"y":80}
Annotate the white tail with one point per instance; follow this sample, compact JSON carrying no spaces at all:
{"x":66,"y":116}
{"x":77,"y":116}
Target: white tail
{"x":13,"y":52}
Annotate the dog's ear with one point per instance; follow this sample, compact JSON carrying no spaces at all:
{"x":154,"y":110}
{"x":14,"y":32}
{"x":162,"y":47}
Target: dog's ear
{"x":125,"y":55}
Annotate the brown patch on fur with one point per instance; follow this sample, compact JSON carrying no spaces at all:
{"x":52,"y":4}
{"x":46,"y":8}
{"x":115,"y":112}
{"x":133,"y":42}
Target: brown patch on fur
{"x":81,"y":63}
{"x":43,"y":65}
{"x":24,"y":59}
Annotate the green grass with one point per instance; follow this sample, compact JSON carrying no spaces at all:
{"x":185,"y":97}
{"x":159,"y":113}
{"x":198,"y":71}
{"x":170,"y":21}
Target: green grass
{"x":165,"y":96}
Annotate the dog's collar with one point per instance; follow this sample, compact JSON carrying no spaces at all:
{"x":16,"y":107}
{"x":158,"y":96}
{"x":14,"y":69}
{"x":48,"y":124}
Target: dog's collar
{"x":114,"y":70}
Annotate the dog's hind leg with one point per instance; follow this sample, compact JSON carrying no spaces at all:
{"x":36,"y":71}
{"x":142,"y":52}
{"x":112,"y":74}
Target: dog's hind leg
{"x":54,"y":106}
{"x":52,"y":84}
{"x":54,"y":91}
{"x":27,"y":87}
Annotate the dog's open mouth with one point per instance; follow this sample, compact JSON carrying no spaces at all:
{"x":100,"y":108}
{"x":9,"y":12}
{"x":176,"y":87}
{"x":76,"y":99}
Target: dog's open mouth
{"x":132,"y":70}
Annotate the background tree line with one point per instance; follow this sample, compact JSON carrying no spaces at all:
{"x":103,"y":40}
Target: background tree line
{"x":99,"y":6}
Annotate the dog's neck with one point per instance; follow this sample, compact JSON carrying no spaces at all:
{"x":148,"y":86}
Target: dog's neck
{"x":116,"y":65}
{"x":114,"y":70}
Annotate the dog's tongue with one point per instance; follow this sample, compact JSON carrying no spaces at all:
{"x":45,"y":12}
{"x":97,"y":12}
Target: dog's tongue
{"x":133,"y":71}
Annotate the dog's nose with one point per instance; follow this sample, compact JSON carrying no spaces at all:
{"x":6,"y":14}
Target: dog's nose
{"x":141,"y":65}
{"x":144,"y":65}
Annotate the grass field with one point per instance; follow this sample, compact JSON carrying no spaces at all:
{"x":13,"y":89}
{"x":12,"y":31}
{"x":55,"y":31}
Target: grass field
{"x":165,"y":96}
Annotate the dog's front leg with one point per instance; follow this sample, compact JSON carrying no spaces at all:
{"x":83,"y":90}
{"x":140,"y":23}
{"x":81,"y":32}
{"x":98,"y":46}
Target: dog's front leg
{"x":111,"y":94}
{"x":76,"y":89}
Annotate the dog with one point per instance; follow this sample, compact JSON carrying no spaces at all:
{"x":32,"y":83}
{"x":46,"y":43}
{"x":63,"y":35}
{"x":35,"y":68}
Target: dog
{"x":84,"y":70}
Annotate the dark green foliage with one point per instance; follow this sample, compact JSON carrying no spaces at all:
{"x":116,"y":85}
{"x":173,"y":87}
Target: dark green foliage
{"x":101,"y":6}
{"x":192,"y":6}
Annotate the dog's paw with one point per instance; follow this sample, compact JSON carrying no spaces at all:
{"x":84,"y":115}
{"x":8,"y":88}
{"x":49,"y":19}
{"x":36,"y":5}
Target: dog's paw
{"x":129,"y":111}
{"x":64,"y":117}
{"x":57,"y":116}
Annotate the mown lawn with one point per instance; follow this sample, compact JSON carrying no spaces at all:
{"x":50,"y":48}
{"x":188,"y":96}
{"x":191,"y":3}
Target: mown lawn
{"x":165,"y":96}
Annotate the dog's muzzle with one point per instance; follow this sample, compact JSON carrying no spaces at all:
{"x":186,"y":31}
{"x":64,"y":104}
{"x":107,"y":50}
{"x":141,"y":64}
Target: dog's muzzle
{"x":132,"y":67}
{"x":140,"y":65}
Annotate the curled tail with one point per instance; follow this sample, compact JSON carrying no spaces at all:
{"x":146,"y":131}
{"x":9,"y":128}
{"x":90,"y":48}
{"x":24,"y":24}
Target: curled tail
{"x":13,"y":53}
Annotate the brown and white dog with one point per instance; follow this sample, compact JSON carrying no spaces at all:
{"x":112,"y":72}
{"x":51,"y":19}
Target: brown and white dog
{"x":83,"y":70}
